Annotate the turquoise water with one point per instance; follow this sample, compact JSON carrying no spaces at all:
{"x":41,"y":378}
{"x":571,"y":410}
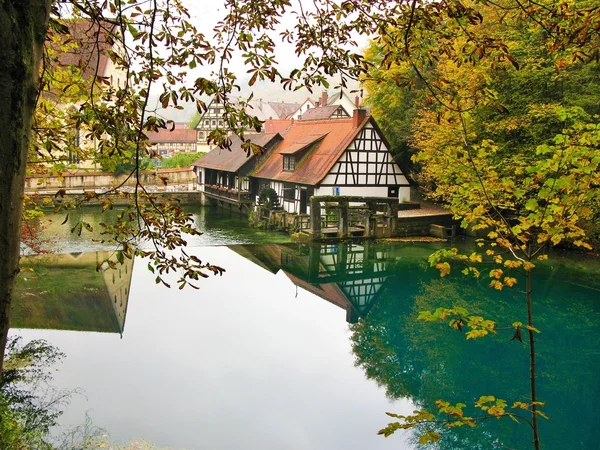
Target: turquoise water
{"x":306,"y":347}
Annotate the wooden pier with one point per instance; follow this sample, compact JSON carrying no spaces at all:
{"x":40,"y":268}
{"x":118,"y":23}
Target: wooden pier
{"x":347,"y":217}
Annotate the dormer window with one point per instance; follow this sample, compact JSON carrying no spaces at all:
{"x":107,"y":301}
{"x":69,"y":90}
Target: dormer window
{"x":289,"y":163}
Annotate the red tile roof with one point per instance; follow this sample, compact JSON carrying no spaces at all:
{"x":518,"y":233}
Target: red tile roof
{"x":91,"y":43}
{"x":339,"y":133}
{"x":277,"y":126}
{"x":301,"y":144}
{"x":176,"y":135}
{"x":232,"y":160}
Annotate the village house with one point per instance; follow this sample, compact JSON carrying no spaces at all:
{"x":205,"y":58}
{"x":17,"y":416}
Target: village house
{"x":167,"y":142}
{"x":84,"y":50}
{"x":334,"y":156}
{"x":213,"y":118}
{"x":304,"y":106}
{"x":223,"y":174}
{"x":338,"y":105}
{"x":317,"y":156}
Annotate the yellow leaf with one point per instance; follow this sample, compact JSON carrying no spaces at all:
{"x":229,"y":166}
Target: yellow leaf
{"x":496,"y":273}
{"x":444,"y":268}
{"x":496,"y":285}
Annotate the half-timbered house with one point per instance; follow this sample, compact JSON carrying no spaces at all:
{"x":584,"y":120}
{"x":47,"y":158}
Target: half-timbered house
{"x":213,"y":118}
{"x":169,"y":142}
{"x":84,"y":58}
{"x":223,"y":174}
{"x":334,"y":156}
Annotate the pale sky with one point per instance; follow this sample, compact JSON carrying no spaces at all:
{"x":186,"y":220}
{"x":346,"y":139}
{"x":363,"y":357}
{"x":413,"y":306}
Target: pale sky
{"x":205,"y":15}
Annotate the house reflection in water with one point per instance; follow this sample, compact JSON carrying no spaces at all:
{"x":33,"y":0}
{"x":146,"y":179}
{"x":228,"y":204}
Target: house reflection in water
{"x":348,"y":275}
{"x":67,"y":292}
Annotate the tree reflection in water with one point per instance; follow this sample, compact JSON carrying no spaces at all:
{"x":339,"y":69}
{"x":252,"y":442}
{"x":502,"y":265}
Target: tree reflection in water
{"x":383,"y":287}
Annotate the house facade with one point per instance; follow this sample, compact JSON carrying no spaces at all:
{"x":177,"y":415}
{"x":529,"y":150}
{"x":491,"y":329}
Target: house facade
{"x":213,"y":118}
{"x":83,"y":57}
{"x":223,"y":174}
{"x":337,"y":156}
{"x":210,"y":121}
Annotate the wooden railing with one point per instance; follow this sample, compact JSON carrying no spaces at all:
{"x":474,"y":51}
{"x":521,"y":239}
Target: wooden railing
{"x":228,"y":193}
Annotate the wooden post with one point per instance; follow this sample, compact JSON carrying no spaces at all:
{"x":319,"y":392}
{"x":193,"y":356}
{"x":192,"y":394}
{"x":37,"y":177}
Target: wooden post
{"x":370,"y":223}
{"x":343,"y":210}
{"x":394,"y":208}
{"x":315,"y":218}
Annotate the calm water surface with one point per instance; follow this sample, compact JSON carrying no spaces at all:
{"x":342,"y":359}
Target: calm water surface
{"x":306,"y":347}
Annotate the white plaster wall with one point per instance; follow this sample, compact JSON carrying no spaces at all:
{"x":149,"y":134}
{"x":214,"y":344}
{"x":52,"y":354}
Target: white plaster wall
{"x":200,"y":171}
{"x":303,"y":108}
{"x":404,"y":194}
{"x":374,"y":191}
{"x":346,"y":102}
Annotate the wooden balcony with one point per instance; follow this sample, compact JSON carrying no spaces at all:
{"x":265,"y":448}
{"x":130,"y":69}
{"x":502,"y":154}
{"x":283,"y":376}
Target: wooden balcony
{"x":228,"y":195}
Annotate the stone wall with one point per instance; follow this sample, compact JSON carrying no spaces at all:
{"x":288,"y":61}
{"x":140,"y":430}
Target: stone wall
{"x":95,"y":180}
{"x":185,"y":198}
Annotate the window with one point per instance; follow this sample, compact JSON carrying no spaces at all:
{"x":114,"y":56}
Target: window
{"x":289,"y":193}
{"x":214,"y":123}
{"x":73,"y":157}
{"x":289,"y":163}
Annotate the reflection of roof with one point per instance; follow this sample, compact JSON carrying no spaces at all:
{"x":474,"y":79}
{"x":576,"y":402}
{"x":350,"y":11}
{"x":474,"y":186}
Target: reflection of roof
{"x":338,"y":134}
{"x":330,"y":291}
{"x":176,"y":135}
{"x":320,"y":113}
{"x":266,"y":256}
{"x":232,"y":160}
{"x":301,"y":144}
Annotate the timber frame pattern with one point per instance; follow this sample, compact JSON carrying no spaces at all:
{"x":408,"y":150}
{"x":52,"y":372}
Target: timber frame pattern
{"x":367,"y":162}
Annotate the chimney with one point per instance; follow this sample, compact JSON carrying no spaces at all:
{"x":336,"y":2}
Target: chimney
{"x":317,"y":104}
{"x":357,"y":101}
{"x":358,"y":116}
{"x":324,"y":98}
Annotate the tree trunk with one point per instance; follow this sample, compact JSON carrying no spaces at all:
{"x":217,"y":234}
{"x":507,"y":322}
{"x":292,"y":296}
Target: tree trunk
{"x":23,"y":25}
